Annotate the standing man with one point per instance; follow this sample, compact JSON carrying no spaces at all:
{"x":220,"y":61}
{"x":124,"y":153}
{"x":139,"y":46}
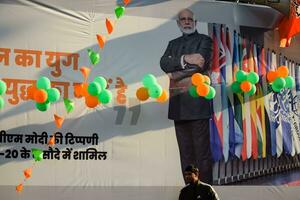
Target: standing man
{"x":184,"y":56}
{"x":195,"y":189}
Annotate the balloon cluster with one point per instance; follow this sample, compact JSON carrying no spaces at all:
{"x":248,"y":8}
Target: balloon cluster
{"x":280,"y":79}
{"x":3,"y":89}
{"x":43,"y":94}
{"x":151,"y":89}
{"x":94,"y":92}
{"x":201,"y":87}
{"x":245,"y":82}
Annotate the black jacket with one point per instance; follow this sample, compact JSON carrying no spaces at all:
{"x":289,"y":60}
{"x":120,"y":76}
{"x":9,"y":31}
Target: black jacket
{"x":198,"y":191}
{"x":181,"y":105}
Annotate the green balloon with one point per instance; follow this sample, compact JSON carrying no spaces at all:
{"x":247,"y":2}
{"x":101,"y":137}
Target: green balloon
{"x":42,"y":106}
{"x":94,"y":57}
{"x":253,"y":78}
{"x":119,"y":11}
{"x":2,"y":103}
{"x":105,"y":96}
{"x":193,"y":91}
{"x":94,"y":88}
{"x":252,"y":91}
{"x":290,"y":82}
{"x":155,"y":91}
{"x":37,"y":154}
{"x":3,"y":87}
{"x":211,"y":94}
{"x":69,"y":105}
{"x":241,"y":76}
{"x":279,"y":83}
{"x":235,"y":87}
{"x":102,"y":82}
{"x":53,"y":95}
{"x":275,"y":88}
{"x":149,"y":80}
{"x":43,"y":83}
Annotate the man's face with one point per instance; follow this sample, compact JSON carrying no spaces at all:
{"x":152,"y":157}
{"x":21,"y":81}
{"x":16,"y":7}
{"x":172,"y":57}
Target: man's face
{"x":186,"y":22}
{"x":190,"y":177}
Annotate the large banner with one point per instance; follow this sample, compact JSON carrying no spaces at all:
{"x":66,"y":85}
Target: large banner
{"x":126,"y":143}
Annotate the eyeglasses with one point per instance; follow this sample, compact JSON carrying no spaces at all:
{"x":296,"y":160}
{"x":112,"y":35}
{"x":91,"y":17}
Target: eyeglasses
{"x":189,"y":19}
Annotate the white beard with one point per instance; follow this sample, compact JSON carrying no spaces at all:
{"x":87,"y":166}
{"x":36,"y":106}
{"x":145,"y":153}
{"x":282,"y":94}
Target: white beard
{"x":187,"y":31}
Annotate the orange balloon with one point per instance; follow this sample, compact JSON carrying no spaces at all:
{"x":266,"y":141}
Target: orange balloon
{"x":109,"y":26}
{"x":202,"y":89}
{"x":206,"y":79}
{"x":101,"y":40}
{"x":197,"y":79}
{"x":246,"y":86}
{"x":19,"y":188}
{"x":271,"y":76}
{"x":27,"y":172}
{"x":282,"y":71}
{"x":126,"y":2}
{"x":163,"y":97}
{"x":30,"y":92}
{"x":78,"y":91}
{"x":142,"y":94}
{"x":40,"y":96}
{"x":91,"y":101}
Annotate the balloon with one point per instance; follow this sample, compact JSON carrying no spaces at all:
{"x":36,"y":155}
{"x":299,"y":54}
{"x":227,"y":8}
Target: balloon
{"x":43,"y":83}
{"x":275,"y":88}
{"x":2,"y":103}
{"x":19,"y":188}
{"x":105,"y":96}
{"x":126,"y":2}
{"x":241,"y":76}
{"x":235,"y":87}
{"x":27,"y":172}
{"x":149,"y":80}
{"x":109,"y":26}
{"x":206,"y":79}
{"x":193,"y":91}
{"x":37,"y":154}
{"x":197,"y":79}
{"x":69,"y":105}
{"x":253,"y":77}
{"x":40,"y":96}
{"x":94,"y":57}
{"x":58,"y":121}
{"x":51,"y":141}
{"x":211,"y":94}
{"x":85,"y":89}
{"x":279,"y":83}
{"x":119,"y":11}
{"x":282,"y":71}
{"x":102,"y":82}
{"x":163,"y":97}
{"x":246,"y":86}
{"x":94,"y":88}
{"x":91,"y":101}
{"x":202,"y":89}
{"x":271,"y":76}
{"x":290,"y":82}
{"x":252,"y":91}
{"x":142,"y":94}
{"x":53,"y":95}
{"x":80,"y":90}
{"x":85,"y":72}
{"x":42,"y":106}
{"x":155,"y":91}
{"x":3,"y":87}
{"x":101,"y":40}
{"x":30,"y":92}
